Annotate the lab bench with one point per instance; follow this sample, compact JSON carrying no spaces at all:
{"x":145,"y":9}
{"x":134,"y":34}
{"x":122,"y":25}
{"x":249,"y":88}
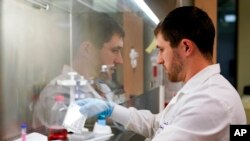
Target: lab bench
{"x":122,"y":135}
{"x":118,"y":135}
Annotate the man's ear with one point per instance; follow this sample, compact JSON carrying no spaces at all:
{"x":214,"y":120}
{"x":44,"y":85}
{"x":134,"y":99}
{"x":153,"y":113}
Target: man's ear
{"x":86,"y":47}
{"x":188,"y":46}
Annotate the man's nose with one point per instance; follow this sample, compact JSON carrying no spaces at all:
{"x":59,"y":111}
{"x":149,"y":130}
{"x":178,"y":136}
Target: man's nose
{"x":159,"y":59}
{"x":119,"y":59}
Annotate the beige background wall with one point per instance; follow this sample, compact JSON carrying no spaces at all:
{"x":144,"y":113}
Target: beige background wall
{"x":211,"y":8}
{"x":243,"y":70}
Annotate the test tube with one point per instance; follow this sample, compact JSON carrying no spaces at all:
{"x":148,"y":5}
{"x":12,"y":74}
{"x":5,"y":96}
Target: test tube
{"x":23,"y":131}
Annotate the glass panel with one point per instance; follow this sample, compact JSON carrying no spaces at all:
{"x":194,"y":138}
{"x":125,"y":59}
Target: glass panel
{"x":42,"y":40}
{"x":34,"y":46}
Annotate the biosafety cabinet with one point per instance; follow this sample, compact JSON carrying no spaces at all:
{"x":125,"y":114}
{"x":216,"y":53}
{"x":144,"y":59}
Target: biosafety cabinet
{"x":38,"y":37}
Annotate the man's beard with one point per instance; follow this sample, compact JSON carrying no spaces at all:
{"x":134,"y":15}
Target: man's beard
{"x":175,"y":68}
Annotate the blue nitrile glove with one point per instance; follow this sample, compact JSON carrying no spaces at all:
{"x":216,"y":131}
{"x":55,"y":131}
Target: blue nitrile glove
{"x":93,"y":107}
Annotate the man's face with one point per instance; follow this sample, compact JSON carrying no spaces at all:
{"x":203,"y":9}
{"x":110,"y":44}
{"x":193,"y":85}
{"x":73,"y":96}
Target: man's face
{"x":170,"y":59}
{"x":111,"y":53}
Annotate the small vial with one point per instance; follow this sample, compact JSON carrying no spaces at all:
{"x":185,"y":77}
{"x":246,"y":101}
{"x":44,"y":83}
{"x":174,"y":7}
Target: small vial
{"x":23,"y":131}
{"x":101,"y":120}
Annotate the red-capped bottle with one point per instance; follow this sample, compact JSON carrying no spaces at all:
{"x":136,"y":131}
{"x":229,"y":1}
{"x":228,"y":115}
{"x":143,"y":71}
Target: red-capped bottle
{"x":56,"y":130}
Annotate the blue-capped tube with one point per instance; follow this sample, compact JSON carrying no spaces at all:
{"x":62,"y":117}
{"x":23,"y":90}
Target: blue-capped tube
{"x":23,"y":131}
{"x":101,"y":119}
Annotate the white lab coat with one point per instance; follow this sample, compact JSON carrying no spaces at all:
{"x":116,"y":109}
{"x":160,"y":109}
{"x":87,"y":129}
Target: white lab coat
{"x":201,"y":111}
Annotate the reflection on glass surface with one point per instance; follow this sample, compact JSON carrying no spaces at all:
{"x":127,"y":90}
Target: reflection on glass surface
{"x":43,"y":40}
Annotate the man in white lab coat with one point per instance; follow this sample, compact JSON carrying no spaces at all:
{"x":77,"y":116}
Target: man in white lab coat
{"x":206,"y":105}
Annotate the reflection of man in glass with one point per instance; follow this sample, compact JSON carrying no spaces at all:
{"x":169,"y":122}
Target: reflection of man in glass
{"x":103,"y":41}
{"x":102,"y":44}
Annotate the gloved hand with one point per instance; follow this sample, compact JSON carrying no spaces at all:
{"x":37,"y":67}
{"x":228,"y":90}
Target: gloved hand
{"x":93,"y":107}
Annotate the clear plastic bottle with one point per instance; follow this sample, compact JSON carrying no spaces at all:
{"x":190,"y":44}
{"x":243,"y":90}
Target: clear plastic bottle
{"x":246,"y":102}
{"x":57,"y":132}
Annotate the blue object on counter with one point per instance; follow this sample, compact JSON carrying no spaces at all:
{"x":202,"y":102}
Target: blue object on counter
{"x":101,"y":119}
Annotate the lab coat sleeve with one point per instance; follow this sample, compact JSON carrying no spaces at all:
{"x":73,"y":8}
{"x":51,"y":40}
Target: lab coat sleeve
{"x":142,"y":122}
{"x":203,"y":119}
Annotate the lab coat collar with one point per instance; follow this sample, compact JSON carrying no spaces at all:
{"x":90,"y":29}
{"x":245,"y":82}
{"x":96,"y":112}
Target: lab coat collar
{"x":194,"y":83}
{"x":199,"y":78}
